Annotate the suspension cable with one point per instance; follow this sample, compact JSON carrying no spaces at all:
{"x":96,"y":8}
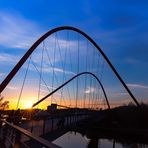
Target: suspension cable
{"x":41,"y":78}
{"x":58,"y":45}
{"x":63,"y":68}
{"x":23,"y":84}
{"x":86,"y":63}
{"x":77,"y":73}
{"x":48,"y":57}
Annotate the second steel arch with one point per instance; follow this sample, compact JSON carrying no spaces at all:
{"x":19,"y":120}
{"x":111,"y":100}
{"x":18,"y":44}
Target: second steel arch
{"x":79,"y":74}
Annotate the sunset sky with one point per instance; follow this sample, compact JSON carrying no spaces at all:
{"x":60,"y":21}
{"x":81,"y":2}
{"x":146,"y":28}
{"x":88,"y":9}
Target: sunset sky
{"x":120,"y":28}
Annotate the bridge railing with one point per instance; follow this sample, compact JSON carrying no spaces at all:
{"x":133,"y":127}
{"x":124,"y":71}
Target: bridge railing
{"x":51,"y":123}
{"x":13,"y":136}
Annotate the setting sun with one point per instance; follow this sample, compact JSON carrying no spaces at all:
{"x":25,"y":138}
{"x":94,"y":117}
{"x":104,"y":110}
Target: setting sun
{"x":28,"y":104}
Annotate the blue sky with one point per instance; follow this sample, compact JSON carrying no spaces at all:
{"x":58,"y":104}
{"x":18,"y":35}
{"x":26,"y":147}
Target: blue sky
{"x":119,"y":27}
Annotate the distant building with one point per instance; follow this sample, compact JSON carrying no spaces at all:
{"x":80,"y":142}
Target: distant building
{"x":52,"y":107}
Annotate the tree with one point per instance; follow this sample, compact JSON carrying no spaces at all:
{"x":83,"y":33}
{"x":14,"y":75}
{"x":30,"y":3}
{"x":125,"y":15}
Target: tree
{"x":3,"y":104}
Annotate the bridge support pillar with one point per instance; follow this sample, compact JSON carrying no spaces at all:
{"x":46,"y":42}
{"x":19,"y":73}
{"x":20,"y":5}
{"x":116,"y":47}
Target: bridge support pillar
{"x":52,"y":123}
{"x":31,"y":126}
{"x":44,"y":122}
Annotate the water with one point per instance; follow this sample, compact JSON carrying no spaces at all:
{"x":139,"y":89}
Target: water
{"x":76,"y":140}
{"x":72,"y":140}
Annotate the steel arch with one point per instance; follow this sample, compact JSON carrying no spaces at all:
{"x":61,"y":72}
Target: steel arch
{"x":79,"y":74}
{"x":33,"y":47}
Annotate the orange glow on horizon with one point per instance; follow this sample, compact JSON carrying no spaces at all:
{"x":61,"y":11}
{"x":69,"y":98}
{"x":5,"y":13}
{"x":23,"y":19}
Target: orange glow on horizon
{"x":30,"y":97}
{"x":28,"y":104}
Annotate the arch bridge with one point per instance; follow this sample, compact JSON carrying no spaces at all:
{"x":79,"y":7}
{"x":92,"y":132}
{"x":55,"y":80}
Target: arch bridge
{"x":65,"y":67}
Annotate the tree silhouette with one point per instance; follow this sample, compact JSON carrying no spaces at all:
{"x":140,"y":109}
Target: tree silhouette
{"x":3,"y":104}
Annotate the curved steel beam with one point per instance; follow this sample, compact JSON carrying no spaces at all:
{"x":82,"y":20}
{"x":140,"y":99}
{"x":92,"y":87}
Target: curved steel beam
{"x":82,"y":73}
{"x":33,"y":47}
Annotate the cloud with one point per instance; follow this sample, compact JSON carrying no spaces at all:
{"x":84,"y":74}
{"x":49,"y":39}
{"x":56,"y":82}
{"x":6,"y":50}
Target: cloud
{"x":50,"y":87}
{"x":50,"y":69}
{"x":2,"y":74}
{"x":132,"y":61}
{"x":137,"y":86}
{"x":19,"y":32}
{"x":47,"y":92}
{"x":89,"y":90}
{"x":11,"y":87}
{"x":57,"y":70}
{"x":16,"y":31}
{"x":121,"y":94}
{"x":8,"y":58}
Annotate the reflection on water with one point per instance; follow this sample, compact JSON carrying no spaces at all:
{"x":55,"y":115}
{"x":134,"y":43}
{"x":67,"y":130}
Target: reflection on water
{"x":76,"y":140}
{"x":72,"y":140}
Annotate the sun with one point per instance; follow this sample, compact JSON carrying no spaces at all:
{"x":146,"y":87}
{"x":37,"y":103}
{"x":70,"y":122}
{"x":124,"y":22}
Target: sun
{"x":28,"y":104}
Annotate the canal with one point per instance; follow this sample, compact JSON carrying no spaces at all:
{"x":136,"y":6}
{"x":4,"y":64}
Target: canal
{"x":76,"y":140}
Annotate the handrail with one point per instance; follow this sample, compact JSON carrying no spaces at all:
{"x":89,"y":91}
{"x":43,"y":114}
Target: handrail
{"x":32,"y":136}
